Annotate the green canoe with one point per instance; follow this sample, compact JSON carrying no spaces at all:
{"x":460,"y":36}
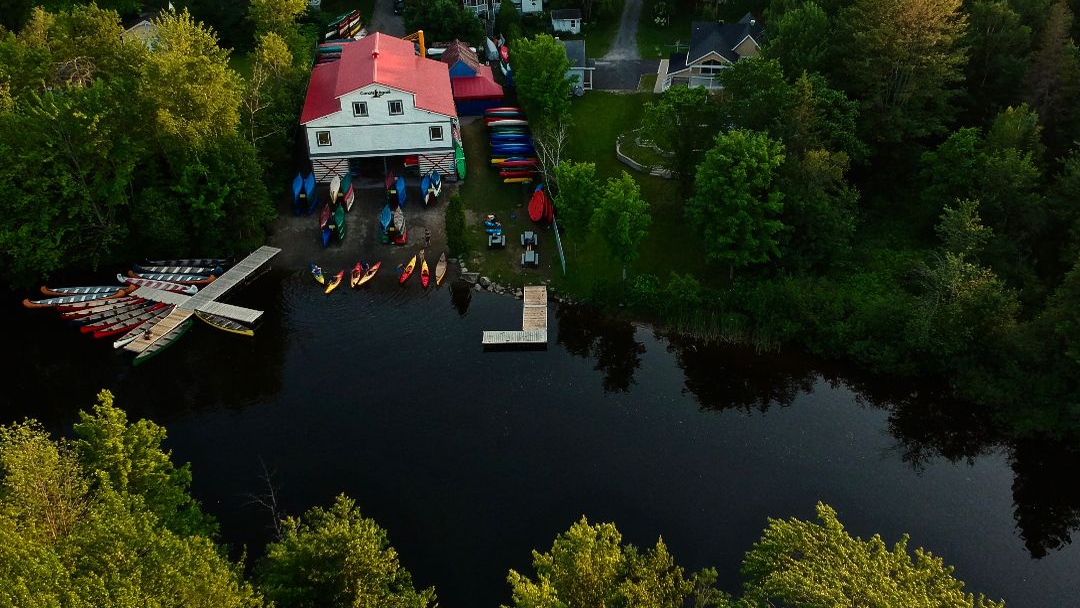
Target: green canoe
{"x":459,"y":160}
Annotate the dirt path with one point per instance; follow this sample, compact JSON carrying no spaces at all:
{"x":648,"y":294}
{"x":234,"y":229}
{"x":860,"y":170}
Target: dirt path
{"x":624,"y":47}
{"x":384,"y":20}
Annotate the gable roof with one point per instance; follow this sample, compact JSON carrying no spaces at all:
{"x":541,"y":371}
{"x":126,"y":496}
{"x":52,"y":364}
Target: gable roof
{"x":378,"y":59}
{"x":481,"y":86}
{"x":575,"y":52}
{"x":721,"y":38}
{"x":563,"y":14}
{"x":459,"y":51}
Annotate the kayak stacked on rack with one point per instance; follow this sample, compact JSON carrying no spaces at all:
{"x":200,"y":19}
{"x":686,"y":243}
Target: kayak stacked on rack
{"x":512,"y":150}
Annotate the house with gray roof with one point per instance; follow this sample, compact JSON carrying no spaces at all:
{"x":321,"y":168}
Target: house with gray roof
{"x":714,"y":46}
{"x":581,"y":67}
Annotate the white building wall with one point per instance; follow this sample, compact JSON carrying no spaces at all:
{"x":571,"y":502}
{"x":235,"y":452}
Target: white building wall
{"x":530,"y":6}
{"x":379,"y":132}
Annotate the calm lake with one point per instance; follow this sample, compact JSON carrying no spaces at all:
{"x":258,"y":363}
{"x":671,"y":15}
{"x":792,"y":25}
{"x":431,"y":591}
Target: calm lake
{"x":472,"y":459}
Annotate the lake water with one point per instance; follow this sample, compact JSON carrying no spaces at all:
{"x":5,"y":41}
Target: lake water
{"x":471,"y":459}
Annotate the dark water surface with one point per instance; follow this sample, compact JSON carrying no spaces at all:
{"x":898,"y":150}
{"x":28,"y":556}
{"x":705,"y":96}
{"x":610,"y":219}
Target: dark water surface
{"x":473,"y":459}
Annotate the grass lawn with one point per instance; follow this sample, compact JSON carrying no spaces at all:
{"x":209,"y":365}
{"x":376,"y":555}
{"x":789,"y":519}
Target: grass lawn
{"x":655,"y":41}
{"x":599,"y":118}
{"x":599,"y":34}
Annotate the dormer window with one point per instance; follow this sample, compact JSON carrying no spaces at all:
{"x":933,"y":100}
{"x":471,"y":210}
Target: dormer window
{"x":396,"y":108}
{"x":359,"y":108}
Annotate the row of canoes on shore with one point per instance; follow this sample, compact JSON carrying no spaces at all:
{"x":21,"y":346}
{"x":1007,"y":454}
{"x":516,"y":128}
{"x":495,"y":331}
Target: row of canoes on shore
{"x":362,"y":273}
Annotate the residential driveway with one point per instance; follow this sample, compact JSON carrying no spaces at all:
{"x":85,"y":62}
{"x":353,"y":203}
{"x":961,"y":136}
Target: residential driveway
{"x":622,"y":67}
{"x":384,"y":20}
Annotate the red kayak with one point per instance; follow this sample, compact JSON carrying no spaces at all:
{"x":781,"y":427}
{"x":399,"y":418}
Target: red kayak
{"x":518,"y":173}
{"x":503,"y":110}
{"x":504,"y":53}
{"x":518,"y":163}
{"x":538,"y":204}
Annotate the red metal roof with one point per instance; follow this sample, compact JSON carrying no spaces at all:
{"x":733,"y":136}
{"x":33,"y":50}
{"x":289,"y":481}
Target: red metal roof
{"x":378,"y":59}
{"x":481,"y":86}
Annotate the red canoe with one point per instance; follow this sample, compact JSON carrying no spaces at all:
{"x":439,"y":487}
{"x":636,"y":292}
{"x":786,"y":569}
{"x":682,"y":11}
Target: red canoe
{"x":537,"y":204}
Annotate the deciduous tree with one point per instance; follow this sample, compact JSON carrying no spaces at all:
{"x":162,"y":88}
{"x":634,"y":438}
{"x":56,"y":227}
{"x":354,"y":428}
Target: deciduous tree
{"x":999,"y":46}
{"x":803,"y":40}
{"x":1053,"y":78}
{"x":683,"y":122}
{"x":275,"y":16}
{"x":337,"y":557}
{"x":577,"y":192}
{"x":903,"y":62}
{"x":443,"y":21}
{"x":736,"y":206}
{"x":820,"y":565}
{"x":622,"y":218}
{"x":540,"y":67}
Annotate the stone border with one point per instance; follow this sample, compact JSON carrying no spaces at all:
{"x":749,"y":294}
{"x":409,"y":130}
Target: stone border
{"x":633,"y":164}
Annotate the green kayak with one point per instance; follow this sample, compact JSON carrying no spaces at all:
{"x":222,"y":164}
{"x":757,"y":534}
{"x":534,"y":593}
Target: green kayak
{"x":459,"y":160}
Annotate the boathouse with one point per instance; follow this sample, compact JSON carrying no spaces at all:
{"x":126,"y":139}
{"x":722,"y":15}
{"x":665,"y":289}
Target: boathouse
{"x":473,"y":83}
{"x":379,"y":99}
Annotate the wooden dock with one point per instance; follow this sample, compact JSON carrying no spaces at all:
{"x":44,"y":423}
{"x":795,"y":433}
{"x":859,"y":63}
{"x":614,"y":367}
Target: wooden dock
{"x":206,"y":299}
{"x":534,"y":323}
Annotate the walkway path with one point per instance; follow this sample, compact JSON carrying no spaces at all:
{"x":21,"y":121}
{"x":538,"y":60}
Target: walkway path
{"x":622,"y":67}
{"x":384,"y":20}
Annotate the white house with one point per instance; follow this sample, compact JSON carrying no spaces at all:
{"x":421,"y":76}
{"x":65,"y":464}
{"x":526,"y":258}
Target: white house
{"x":142,"y":28}
{"x":379,"y":99}
{"x":566,"y":20}
{"x":714,"y":46}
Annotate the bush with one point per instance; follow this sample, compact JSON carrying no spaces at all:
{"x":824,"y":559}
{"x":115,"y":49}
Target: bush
{"x":456,"y":239}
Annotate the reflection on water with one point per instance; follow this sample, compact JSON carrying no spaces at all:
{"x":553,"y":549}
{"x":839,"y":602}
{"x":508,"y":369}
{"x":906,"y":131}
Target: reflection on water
{"x":1045,"y":493}
{"x":461,"y":296}
{"x":585,"y":332}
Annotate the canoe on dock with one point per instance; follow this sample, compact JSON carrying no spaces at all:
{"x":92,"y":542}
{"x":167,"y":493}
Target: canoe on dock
{"x":200,"y":262}
{"x":195,"y":270}
{"x":183,"y":279}
{"x":188,"y":290}
{"x":132,"y":324}
{"x":74,"y":291}
{"x":140,"y":329}
{"x":163,"y":342}
{"x":224,"y":324}
{"x":86,"y":297}
{"x":85,"y":307}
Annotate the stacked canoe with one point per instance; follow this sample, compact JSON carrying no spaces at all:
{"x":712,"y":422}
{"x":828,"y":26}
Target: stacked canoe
{"x":512,"y":151}
{"x":126,"y":311}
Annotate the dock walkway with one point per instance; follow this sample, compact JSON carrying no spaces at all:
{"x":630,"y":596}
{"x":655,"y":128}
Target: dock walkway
{"x":206,"y":299}
{"x":534,"y":323}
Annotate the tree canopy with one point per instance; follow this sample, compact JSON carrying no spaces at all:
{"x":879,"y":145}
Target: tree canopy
{"x":443,"y":21}
{"x":622,"y":218}
{"x":540,"y":67}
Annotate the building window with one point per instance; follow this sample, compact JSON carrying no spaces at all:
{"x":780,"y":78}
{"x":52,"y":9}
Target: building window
{"x":322,"y":138}
{"x":395,"y":108}
{"x":573,"y":24}
{"x":359,"y":108}
{"x":435,"y":133}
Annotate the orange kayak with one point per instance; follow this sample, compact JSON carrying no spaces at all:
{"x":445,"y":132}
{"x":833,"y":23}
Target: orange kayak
{"x":405,"y":274}
{"x":337,"y":281}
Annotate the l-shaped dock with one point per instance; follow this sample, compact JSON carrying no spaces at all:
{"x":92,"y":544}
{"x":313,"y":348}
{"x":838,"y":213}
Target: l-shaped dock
{"x":534,"y":322}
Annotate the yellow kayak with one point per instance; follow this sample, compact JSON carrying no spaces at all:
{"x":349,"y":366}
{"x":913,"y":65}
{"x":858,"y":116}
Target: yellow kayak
{"x":335,"y":281}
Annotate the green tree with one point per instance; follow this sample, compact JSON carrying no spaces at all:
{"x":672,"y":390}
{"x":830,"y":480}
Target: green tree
{"x":69,"y":538}
{"x":1053,"y":78}
{"x":275,"y":16}
{"x":336,"y":557}
{"x":813,"y":565}
{"x":187,"y":81}
{"x":588,"y":566}
{"x":755,"y":94}
{"x":132,"y":457}
{"x":456,"y":239}
{"x":443,"y":21}
{"x":622,"y":218}
{"x":902,"y":60}
{"x":1000,"y":44}
{"x":802,"y":41}
{"x":508,"y":21}
{"x":961,"y":229}
{"x":540,"y":67}
{"x":736,"y":206}
{"x":683,"y":121}
{"x":578,"y":190}
{"x":820,"y":207}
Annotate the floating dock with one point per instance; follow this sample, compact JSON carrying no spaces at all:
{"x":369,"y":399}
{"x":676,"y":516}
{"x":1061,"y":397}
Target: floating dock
{"x":534,"y":323}
{"x":206,"y":299}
